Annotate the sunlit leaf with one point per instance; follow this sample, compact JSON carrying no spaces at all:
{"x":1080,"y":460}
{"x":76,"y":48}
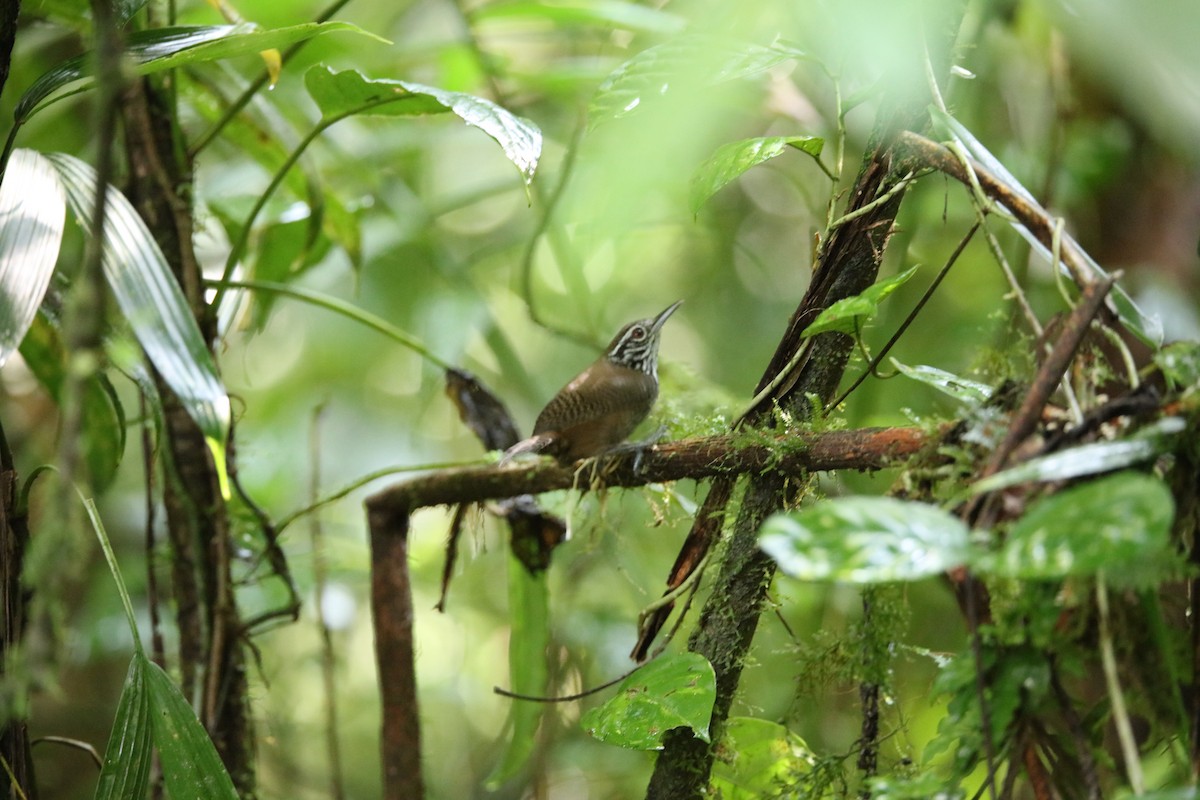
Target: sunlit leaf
{"x":1119,"y":524}
{"x":670,"y":692}
{"x":159,"y":49}
{"x":32,"y":213}
{"x":151,"y":300}
{"x":341,"y":94}
{"x":849,"y":313}
{"x":694,"y":59}
{"x":190,"y":764}
{"x":963,"y":390}
{"x":763,"y":760}
{"x":610,"y":13}
{"x":126,"y":770}
{"x":1147,"y":328}
{"x":1089,"y":459}
{"x":529,"y":617}
{"x":732,"y":159}
{"x":865,"y":540}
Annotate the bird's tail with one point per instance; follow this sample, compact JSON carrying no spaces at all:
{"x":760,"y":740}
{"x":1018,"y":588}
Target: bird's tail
{"x":534,"y":444}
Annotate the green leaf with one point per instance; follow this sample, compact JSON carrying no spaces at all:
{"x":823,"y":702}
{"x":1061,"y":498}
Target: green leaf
{"x":865,"y":540}
{"x":1148,"y":329}
{"x":33,"y":209}
{"x":529,"y":612}
{"x":670,"y":692}
{"x":1119,"y":525}
{"x":340,"y":94}
{"x":160,"y":49}
{"x":126,"y":770}
{"x":693,"y":59}
{"x":103,"y":414}
{"x":152,"y":302}
{"x":916,"y":787}
{"x":1180,"y":363}
{"x":1148,"y":443}
{"x":965,"y":391}
{"x":850,"y":312}
{"x":190,"y":764}
{"x":732,"y":159}
{"x":608,"y":13}
{"x":764,"y":760}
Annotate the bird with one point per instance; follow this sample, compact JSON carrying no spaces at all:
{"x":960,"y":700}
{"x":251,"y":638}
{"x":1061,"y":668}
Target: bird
{"x":598,"y":408}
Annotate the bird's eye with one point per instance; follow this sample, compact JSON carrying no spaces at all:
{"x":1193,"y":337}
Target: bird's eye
{"x":637,"y":333}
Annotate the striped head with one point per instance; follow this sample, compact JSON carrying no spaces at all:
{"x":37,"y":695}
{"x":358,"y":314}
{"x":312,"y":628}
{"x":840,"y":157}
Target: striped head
{"x":636,"y":345}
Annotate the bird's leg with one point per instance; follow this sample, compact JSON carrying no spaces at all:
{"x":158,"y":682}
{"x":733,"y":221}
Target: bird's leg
{"x":638,"y":448}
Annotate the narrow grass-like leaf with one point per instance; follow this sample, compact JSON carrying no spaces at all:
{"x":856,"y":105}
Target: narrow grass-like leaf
{"x":865,"y":540}
{"x":126,"y":769}
{"x":529,"y":618}
{"x":849,"y":313}
{"x":190,"y":764}
{"x":32,"y":212}
{"x":968,"y":392}
{"x":1119,"y":525}
{"x":152,"y":302}
{"x":692,"y":59}
{"x":1147,"y":328}
{"x":670,"y":692}
{"x":341,"y":94}
{"x":732,"y":159}
{"x":611,"y":13}
{"x":166,"y":48}
{"x":1150,"y":442}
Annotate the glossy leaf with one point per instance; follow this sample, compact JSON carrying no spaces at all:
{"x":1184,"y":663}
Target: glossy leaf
{"x":968,"y":392}
{"x":1089,"y":459}
{"x":850,"y":313}
{"x":190,"y":764}
{"x":341,"y":94}
{"x":1147,"y":328}
{"x":33,"y":209}
{"x":159,"y":49}
{"x":1119,"y":524}
{"x":764,"y":760}
{"x":670,"y":692}
{"x":732,"y":159}
{"x":608,"y":13}
{"x":865,"y":540}
{"x":694,"y":59}
{"x":126,"y":769}
{"x":529,"y":615}
{"x":153,"y":304}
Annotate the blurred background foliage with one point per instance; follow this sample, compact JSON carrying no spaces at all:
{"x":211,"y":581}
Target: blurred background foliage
{"x":1092,"y":104}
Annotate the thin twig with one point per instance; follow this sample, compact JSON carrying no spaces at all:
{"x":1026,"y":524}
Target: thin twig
{"x":1116,"y":698}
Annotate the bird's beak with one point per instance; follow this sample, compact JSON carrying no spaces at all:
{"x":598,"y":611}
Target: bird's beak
{"x":662,"y":318}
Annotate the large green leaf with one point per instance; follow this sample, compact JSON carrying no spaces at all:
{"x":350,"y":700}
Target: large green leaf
{"x":1119,"y":525}
{"x":670,"y":692}
{"x":763,"y":760}
{"x":32,"y":212}
{"x":341,"y":94}
{"x":152,"y":302}
{"x":190,"y":764}
{"x":848,"y":314}
{"x":126,"y":770}
{"x":732,"y":159}
{"x":865,"y":540}
{"x":529,"y":617}
{"x":691,"y":59}
{"x":166,"y":48}
{"x":1150,"y":442}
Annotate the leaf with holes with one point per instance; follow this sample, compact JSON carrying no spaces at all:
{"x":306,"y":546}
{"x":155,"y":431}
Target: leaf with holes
{"x":667,"y":693}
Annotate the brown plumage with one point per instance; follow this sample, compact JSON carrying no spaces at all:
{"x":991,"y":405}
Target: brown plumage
{"x":600,"y":407}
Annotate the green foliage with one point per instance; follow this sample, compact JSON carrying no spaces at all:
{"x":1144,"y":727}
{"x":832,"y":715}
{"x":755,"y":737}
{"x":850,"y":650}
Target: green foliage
{"x":732,"y":159}
{"x":849,"y":314}
{"x":758,"y":758}
{"x":669,"y":692}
